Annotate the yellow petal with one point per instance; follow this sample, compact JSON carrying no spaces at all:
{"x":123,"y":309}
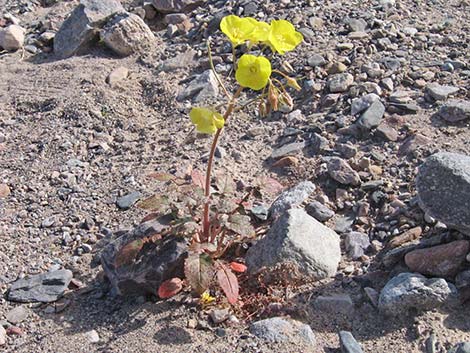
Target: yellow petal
{"x":237,"y":29}
{"x":207,"y":121}
{"x":283,"y":37}
{"x":260,"y":32}
{"x":253,"y":71}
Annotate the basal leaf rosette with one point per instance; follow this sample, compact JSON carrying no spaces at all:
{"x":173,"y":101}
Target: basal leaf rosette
{"x":253,"y":71}
{"x":207,"y":121}
{"x":283,"y":37}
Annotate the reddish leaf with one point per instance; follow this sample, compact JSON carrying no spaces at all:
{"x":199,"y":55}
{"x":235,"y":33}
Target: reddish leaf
{"x":225,"y":183}
{"x":128,"y":252}
{"x":170,"y":288}
{"x":198,"y":178}
{"x":238,"y":267}
{"x":199,"y":271}
{"x":270,"y":186}
{"x":228,"y":282}
{"x":161,"y":176}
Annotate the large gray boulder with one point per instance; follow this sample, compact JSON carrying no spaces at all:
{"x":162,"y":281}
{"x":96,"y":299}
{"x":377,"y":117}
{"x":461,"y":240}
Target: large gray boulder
{"x":443,"y":185}
{"x":154,"y":263}
{"x":81,"y":28}
{"x":126,"y":34}
{"x":412,"y":290}
{"x":299,"y":239}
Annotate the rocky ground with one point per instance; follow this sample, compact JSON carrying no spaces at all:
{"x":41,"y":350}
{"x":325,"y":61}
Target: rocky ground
{"x":85,"y":117}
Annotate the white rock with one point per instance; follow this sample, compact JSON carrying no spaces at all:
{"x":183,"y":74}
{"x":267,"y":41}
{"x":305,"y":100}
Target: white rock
{"x":12,"y":37}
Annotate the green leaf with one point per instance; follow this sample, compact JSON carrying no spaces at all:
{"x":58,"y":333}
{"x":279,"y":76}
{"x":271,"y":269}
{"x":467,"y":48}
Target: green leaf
{"x":240,"y":224}
{"x":154,"y":203}
{"x":128,"y":253}
{"x":199,"y":271}
{"x":228,"y":282}
{"x":225,"y":183}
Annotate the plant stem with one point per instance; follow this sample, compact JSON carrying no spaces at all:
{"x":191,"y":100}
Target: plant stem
{"x":207,"y":189}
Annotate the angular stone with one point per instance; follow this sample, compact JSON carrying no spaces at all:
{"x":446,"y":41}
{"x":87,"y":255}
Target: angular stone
{"x":334,"y":304}
{"x":46,"y":287}
{"x":155,"y":263}
{"x":117,"y":75}
{"x":360,"y":104}
{"x":172,"y":6}
{"x":316,"y":60}
{"x":411,"y":144}
{"x":455,"y":110}
{"x":126,"y":34}
{"x":356,"y":244}
{"x":372,"y":117}
{"x":340,"y":82}
{"x":348,"y":343}
{"x":12,"y":37}
{"x":288,"y":150}
{"x":342,"y":172}
{"x":278,"y":330}
{"x":202,"y":87}
{"x":291,"y":198}
{"x":127,"y":201}
{"x":319,"y":211}
{"x":81,"y":28}
{"x":356,"y":24}
{"x":439,"y":92}
{"x":299,"y":239}
{"x":443,"y":185}
{"x":463,"y":347}
{"x":182,"y":60}
{"x":412,"y":290}
{"x":17,"y":315}
{"x":387,"y":132}
{"x":440,"y":261}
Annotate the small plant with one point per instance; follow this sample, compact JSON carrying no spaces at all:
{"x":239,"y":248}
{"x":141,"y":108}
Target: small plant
{"x":208,"y":212}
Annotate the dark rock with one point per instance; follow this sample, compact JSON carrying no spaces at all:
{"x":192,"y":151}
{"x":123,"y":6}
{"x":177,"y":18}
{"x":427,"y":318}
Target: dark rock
{"x":291,"y":198}
{"x":81,"y":28}
{"x":356,"y":243}
{"x":348,"y":343}
{"x":463,"y":347}
{"x":319,"y":211}
{"x":342,"y":172}
{"x":172,"y":6}
{"x":443,"y":185}
{"x":455,"y":110}
{"x":45,"y":288}
{"x":155,"y":263}
{"x":299,"y":239}
{"x":288,"y":150}
{"x":372,"y":117}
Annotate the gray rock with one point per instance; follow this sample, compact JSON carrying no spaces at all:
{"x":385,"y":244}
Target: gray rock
{"x":463,"y":279}
{"x":17,"y":315}
{"x":344,"y":223}
{"x":372,"y":117}
{"x":443,"y":185}
{"x":319,"y":211}
{"x":92,"y":336}
{"x":455,"y":110}
{"x":155,"y":263}
{"x":342,"y":172}
{"x":356,"y":243}
{"x":261,"y":212}
{"x":348,"y":343}
{"x":291,"y":198}
{"x":127,"y":201}
{"x":12,"y":37}
{"x":334,"y":304}
{"x":219,"y":315}
{"x":360,"y":104}
{"x":279,"y":330}
{"x":300,"y":239}
{"x":316,"y":60}
{"x":81,"y":28}
{"x":356,"y":24}
{"x":126,"y":34}
{"x":182,"y":60}
{"x":288,"y":150}
{"x":202,"y":87}
{"x":439,"y":92}
{"x":412,"y":290}
{"x":117,"y":75}
{"x":463,"y":347}
{"x":340,"y":82}
{"x":172,"y":6}
{"x":45,"y":288}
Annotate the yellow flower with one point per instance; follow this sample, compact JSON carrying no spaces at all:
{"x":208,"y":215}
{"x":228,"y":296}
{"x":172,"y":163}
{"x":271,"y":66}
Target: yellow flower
{"x":283,"y":37}
{"x":237,"y":29}
{"x":206,"y":120}
{"x":260,"y":32}
{"x":253,"y":71}
{"x":206,"y":298}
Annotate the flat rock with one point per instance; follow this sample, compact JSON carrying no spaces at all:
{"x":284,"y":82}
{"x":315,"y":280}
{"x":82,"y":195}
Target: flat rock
{"x":12,"y":37}
{"x":372,"y":117}
{"x":440,"y":92}
{"x":279,"y":329}
{"x":319,"y":211}
{"x":17,"y":315}
{"x":202,"y":87}
{"x":348,"y":343}
{"x":172,"y":6}
{"x":455,"y":110}
{"x":299,"y":239}
{"x":291,"y":198}
{"x":127,"y":201}
{"x":341,"y":171}
{"x":412,"y":290}
{"x":443,"y":185}
{"x":81,"y":28}
{"x":340,"y":82}
{"x":356,"y":244}
{"x":46,"y":287}
{"x":440,"y":261}
{"x":289,"y":149}
{"x":182,"y":60}
{"x":154,"y":264}
{"x":334,"y":304}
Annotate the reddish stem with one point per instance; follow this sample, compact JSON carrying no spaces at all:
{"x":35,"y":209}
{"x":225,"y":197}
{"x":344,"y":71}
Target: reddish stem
{"x":206,"y":220}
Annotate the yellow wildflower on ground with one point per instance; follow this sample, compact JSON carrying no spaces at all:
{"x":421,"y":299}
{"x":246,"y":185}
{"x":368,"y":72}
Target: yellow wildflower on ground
{"x":206,"y":298}
{"x":207,"y":121}
{"x":253,"y":71}
{"x":237,"y":29}
{"x":283,"y":37}
{"x":260,"y":32}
